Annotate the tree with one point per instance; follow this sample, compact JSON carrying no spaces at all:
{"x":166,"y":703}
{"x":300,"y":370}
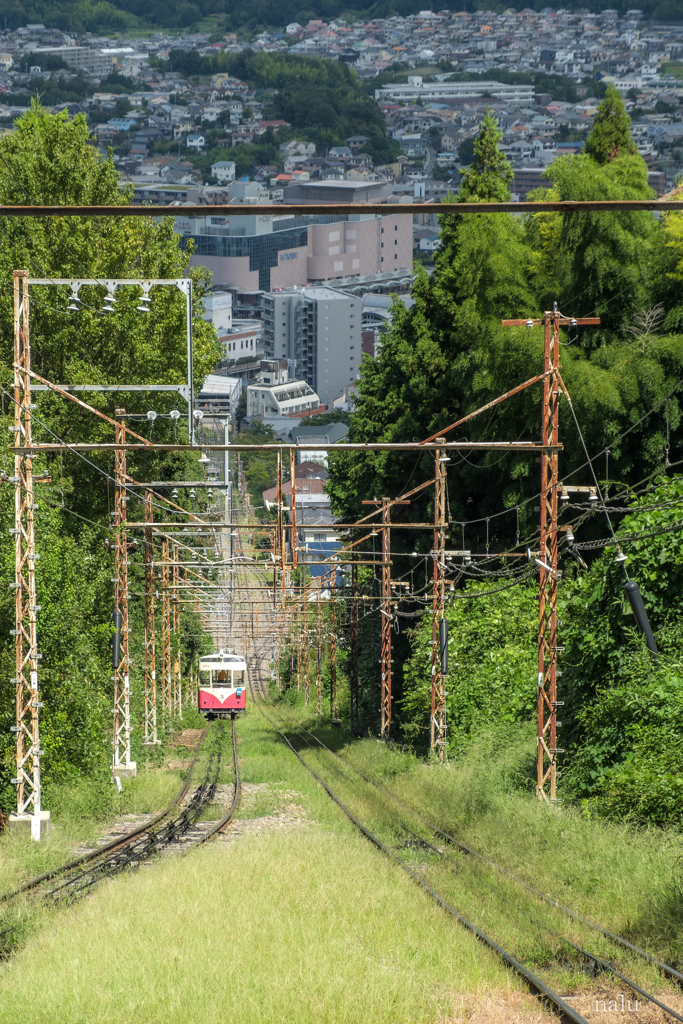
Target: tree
{"x":122,"y":106}
{"x":490,"y":173}
{"x":466,"y":151}
{"x":48,"y":159}
{"x":611,"y":135}
{"x":596,"y":264}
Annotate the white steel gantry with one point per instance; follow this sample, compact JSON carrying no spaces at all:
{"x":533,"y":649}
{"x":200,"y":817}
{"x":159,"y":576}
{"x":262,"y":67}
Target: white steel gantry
{"x":27,"y":728}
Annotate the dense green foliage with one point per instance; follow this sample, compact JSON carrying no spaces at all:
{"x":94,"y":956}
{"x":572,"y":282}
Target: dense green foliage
{"x":489,"y":175}
{"x":251,"y":15}
{"x":37,"y":164}
{"x":491,"y":663}
{"x":324,"y":98}
{"x":610,"y":136}
{"x":447,"y":356}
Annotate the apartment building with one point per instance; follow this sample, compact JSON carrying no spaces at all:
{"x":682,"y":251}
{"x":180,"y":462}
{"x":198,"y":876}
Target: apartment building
{"x":319,"y":328}
{"x":273,"y":394}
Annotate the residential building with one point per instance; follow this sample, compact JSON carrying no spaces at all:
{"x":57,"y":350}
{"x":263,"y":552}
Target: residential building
{"x":417,"y":89}
{"x":267,"y":399}
{"x":223,"y":171}
{"x":319,"y":328}
{"x":330,"y":433}
{"x":219,"y":394}
{"x":339,"y":192}
{"x":526,"y":179}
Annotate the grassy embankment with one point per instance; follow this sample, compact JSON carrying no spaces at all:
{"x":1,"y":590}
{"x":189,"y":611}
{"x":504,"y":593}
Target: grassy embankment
{"x":314,"y":925}
{"x":626,"y":879}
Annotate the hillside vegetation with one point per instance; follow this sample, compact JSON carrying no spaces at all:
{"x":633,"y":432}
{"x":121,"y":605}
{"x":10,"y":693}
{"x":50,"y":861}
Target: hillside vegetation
{"x":448,"y":355}
{"x":120,"y":15}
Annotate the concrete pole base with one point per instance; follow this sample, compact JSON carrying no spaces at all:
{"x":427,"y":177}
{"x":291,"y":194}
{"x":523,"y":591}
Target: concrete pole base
{"x":125,"y":771}
{"x":37,"y":827}
{"x":151,"y":745}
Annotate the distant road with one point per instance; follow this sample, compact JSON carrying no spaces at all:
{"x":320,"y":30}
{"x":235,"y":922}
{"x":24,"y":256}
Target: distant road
{"x":429,"y":163}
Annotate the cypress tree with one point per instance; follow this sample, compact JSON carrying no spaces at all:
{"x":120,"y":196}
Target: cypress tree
{"x":490,"y":173}
{"x":611,"y":135}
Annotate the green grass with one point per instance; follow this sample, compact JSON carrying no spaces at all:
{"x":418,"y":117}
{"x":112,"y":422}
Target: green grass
{"x":74,"y":821}
{"x":314,"y":925}
{"x":272,"y":928}
{"x":628,"y":880}
{"x":673,"y":67}
{"x":311,"y":926}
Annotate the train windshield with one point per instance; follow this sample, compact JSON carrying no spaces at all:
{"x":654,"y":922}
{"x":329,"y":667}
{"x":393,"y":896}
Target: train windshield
{"x":221,"y":677}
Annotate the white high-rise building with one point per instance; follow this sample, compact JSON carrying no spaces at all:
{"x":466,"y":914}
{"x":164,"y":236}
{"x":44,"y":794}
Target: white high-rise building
{"x":319,"y":328}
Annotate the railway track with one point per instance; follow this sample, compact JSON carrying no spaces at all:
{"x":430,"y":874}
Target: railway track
{"x":402,"y":841}
{"x":178,"y":826}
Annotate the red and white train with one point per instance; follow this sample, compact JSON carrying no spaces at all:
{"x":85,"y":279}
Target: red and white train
{"x":222,"y":690}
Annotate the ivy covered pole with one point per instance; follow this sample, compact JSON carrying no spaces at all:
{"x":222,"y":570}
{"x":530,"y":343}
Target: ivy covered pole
{"x":121,"y":762}
{"x":150,"y":632}
{"x":354,"y":722}
{"x":547,"y":702}
{"x":437,"y":731}
{"x":27,"y":725}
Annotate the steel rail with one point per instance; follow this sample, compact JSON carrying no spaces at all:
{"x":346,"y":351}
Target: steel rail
{"x":31,"y":883}
{"x":141,"y":843}
{"x":343,"y":209}
{"x":236,"y":796}
{"x":671,"y":971}
{"x":604,"y":964}
{"x":533,"y":980}
{"x":143,"y":846}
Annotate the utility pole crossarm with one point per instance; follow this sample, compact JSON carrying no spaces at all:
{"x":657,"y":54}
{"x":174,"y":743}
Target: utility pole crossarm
{"x":563,"y":321}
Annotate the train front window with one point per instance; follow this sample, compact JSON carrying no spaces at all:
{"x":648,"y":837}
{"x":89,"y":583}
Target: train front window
{"x":238,"y":677}
{"x":220,"y":678}
{"x":204,"y":677}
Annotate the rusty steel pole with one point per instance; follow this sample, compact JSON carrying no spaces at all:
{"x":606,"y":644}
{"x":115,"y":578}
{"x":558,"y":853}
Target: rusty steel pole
{"x":150,"y":631}
{"x":318,"y":651}
{"x":307,"y":666}
{"x":438,"y":711}
{"x":177,"y":669}
{"x":122,"y":764}
{"x":547,"y":702}
{"x":292,"y":478}
{"x":166,"y":701}
{"x":354,"y":717}
{"x":26,"y":608}
{"x":385,"y":613}
{"x":334,"y":709}
{"x":546,"y":785}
